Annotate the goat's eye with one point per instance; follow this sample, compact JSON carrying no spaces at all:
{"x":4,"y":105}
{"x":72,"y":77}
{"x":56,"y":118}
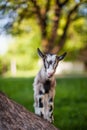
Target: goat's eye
{"x":49,"y":63}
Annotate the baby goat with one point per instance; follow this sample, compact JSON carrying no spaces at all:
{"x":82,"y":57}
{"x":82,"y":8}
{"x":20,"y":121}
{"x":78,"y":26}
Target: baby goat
{"x":44,"y":86}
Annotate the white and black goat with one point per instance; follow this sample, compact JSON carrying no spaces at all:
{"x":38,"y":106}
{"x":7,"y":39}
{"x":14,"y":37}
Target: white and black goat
{"x":44,"y":86}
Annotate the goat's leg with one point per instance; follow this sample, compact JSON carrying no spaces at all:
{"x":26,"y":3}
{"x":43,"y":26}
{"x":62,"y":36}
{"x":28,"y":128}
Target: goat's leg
{"x":50,"y":117}
{"x":51,"y":106}
{"x":39,"y":105}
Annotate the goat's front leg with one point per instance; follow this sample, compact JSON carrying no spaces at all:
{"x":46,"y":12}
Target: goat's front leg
{"x":39,"y":103}
{"x":51,"y":105}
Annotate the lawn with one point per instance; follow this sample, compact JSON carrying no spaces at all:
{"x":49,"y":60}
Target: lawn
{"x":70,"y":110}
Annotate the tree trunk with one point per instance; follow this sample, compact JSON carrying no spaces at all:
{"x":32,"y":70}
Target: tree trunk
{"x":15,"y":117}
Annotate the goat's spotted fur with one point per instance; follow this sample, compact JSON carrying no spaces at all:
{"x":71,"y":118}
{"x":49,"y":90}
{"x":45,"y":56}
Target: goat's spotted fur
{"x":44,"y":86}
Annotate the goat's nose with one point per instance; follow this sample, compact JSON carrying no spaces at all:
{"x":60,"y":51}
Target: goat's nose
{"x":50,"y":74}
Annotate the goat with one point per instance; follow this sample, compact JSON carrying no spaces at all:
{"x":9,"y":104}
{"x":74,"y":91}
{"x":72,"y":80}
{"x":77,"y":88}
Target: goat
{"x":44,"y":86}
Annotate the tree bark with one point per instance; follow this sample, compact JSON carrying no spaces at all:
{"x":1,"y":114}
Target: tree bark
{"x":13,"y":116}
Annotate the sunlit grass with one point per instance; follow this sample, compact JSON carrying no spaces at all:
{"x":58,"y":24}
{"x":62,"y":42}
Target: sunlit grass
{"x":70,"y":110}
{"x":20,"y":73}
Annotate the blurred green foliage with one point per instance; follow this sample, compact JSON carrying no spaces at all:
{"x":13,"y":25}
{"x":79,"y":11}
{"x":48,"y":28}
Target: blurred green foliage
{"x":4,"y":65}
{"x":24,"y":47}
{"x":1,"y":66}
{"x":24,"y":50}
{"x":27,"y":34}
{"x":76,"y":39}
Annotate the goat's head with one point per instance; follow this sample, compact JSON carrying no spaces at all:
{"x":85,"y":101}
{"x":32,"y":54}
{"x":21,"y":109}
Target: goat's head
{"x":50,"y":62}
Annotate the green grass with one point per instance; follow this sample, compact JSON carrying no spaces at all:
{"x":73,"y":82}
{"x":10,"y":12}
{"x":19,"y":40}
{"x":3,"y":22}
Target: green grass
{"x":70,"y":110}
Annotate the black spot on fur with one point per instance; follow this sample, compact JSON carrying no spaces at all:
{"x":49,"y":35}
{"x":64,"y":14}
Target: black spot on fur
{"x":41,"y":114}
{"x":51,"y":108}
{"x":40,"y":103}
{"x":40,"y":92}
{"x":51,"y":115}
{"x":51,"y":100}
{"x":47,"y":86}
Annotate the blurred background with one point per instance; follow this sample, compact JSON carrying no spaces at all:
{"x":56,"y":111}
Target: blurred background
{"x":54,"y":26}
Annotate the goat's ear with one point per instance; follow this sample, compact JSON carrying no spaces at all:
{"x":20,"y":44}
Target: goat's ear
{"x":61,"y":57}
{"x":40,"y":53}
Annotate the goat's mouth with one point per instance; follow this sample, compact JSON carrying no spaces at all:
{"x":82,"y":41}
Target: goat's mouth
{"x":50,"y":76}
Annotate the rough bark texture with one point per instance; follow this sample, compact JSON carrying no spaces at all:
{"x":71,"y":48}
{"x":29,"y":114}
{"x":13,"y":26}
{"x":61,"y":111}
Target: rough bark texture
{"x":15,"y":117}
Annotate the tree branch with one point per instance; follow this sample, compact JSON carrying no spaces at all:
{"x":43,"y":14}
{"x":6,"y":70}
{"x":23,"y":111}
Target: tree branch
{"x":55,"y":25}
{"x":38,"y":13}
{"x":42,"y":16}
{"x":47,"y":6}
{"x":69,"y":20}
{"x":45,"y":18}
{"x":58,"y":7}
{"x":61,"y":4}
{"x":37,"y":8}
